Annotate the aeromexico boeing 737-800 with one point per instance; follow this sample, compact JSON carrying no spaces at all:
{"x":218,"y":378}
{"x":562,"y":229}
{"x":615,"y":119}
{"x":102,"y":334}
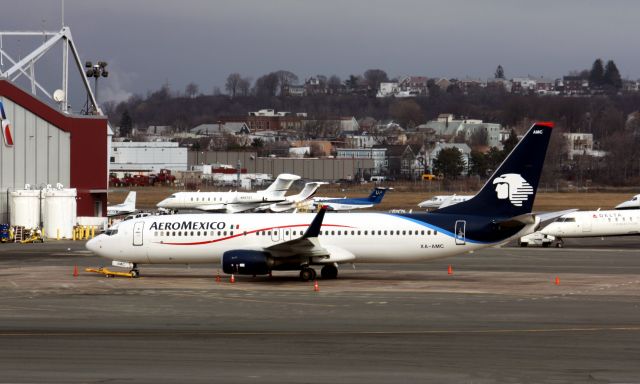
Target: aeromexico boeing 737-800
{"x":256,"y":244}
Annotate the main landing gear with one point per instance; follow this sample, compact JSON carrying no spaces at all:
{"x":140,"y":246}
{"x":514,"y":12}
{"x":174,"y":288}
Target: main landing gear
{"x":329,"y":271}
{"x":559,"y":243}
{"x":307,"y":273}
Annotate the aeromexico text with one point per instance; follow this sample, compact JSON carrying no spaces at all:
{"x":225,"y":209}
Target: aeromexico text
{"x":188,"y":225}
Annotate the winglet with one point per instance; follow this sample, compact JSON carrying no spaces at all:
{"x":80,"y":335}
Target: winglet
{"x":316,"y":224}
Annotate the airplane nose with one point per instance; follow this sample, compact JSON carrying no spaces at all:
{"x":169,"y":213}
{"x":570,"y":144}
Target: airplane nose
{"x":162,"y":204}
{"x":94,"y":244}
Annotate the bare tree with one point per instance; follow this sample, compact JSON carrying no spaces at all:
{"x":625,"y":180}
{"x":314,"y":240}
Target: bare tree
{"x":244,"y":87}
{"x":286,"y":78}
{"x":191,"y":90}
{"x":232,"y":84}
{"x":267,"y":85}
{"x":374,"y":77}
{"x":334,"y":83}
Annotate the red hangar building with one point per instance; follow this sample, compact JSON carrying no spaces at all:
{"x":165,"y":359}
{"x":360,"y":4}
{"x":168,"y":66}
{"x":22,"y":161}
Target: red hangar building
{"x":41,"y":145}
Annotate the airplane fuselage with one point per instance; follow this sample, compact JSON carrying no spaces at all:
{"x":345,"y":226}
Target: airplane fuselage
{"x":361,"y":237}
{"x":596,"y":224}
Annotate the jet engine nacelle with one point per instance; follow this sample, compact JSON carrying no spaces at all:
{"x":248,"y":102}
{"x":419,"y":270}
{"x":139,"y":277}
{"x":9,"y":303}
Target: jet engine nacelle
{"x":246,"y":262}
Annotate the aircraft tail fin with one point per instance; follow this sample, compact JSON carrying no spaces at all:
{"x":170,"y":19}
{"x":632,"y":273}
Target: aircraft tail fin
{"x":280,"y":186}
{"x":377,"y":194}
{"x":511,"y":190}
{"x":308,"y":190}
{"x":131,"y":200}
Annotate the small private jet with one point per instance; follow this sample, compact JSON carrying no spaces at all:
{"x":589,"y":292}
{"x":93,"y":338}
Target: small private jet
{"x":127,"y":207}
{"x":441,"y":201}
{"x":232,"y":201}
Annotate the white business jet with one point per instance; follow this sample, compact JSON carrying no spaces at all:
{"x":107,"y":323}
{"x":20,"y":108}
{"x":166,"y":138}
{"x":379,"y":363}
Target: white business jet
{"x":442,"y":201}
{"x":232,"y":201}
{"x":127,"y":207}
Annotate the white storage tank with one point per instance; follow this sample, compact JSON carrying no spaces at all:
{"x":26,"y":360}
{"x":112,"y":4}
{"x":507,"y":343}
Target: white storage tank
{"x":60,"y":212}
{"x":24,"y":208}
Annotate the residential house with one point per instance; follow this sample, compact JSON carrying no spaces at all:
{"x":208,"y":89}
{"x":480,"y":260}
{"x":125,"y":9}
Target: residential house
{"x":404,"y":161}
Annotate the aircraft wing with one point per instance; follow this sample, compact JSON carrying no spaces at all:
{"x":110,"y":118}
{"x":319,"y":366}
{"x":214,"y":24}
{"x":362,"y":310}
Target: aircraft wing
{"x":545,"y":217}
{"x":305,"y":246}
{"x":529,"y":218}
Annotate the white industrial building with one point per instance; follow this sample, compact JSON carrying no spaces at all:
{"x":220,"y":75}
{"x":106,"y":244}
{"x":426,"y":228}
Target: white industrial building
{"x":132,"y":156}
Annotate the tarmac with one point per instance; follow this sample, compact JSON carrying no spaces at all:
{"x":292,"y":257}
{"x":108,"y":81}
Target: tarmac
{"x":499,"y":317}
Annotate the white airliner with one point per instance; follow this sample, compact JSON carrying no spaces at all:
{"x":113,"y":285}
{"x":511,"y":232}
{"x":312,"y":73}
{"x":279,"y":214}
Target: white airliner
{"x":291,"y":202}
{"x":232,"y":201}
{"x":127,"y":207}
{"x":594,"y":224}
{"x":633,"y":203}
{"x":442,"y":201}
{"x":257,"y":244}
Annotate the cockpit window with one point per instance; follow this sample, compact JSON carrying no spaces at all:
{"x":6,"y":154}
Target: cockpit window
{"x":172,"y":196}
{"x":111,"y":232}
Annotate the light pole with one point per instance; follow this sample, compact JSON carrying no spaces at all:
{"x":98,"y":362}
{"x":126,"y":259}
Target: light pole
{"x":96,"y":71}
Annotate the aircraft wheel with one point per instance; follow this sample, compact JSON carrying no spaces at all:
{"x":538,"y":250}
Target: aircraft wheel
{"x":559,"y":245}
{"x":307,"y":274}
{"x":135,"y":273}
{"x":329,"y":272}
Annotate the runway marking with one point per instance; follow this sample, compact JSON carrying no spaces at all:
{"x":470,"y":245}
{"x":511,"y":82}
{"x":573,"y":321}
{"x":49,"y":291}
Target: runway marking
{"x":308,"y":332}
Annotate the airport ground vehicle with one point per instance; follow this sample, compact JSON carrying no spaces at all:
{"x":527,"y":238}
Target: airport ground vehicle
{"x":536,"y":238}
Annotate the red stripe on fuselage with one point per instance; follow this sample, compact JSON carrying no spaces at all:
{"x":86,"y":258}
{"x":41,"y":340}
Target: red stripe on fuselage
{"x":250,"y":232}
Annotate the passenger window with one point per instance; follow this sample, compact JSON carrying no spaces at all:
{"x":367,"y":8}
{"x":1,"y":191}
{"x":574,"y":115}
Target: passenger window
{"x":245,"y":233}
{"x":435,"y":232}
{"x":180,"y":233}
{"x":358,"y":233}
{"x":365,"y":233}
{"x":225,"y":233}
{"x":404,"y":232}
{"x":333,"y":233}
{"x":155,"y":233}
{"x":191,"y":233}
{"x":385,"y":232}
{"x":269,"y":233}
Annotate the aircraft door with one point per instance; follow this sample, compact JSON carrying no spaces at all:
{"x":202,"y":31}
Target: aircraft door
{"x":275,"y":235}
{"x":138,"y":231}
{"x":460,"y":228}
{"x":586,"y":225}
{"x":286,"y":234}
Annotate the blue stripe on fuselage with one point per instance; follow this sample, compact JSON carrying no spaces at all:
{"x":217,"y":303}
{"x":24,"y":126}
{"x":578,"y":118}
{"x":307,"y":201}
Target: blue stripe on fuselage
{"x":436,"y":228}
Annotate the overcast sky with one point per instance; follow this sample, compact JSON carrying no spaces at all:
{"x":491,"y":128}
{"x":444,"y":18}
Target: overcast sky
{"x":149,"y":42}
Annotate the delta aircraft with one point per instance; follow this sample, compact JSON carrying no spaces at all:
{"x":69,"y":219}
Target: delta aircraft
{"x":232,"y":201}
{"x":442,"y":201}
{"x":594,"y":224}
{"x":348,"y":204}
{"x":127,"y":207}
{"x":258,"y":243}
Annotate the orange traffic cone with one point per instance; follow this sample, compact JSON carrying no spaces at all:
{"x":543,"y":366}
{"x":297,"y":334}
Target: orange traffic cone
{"x":557,"y":280}
{"x":232,"y":279}
{"x":316,"y":288}
{"x":75,"y":271}
{"x":449,"y":270}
